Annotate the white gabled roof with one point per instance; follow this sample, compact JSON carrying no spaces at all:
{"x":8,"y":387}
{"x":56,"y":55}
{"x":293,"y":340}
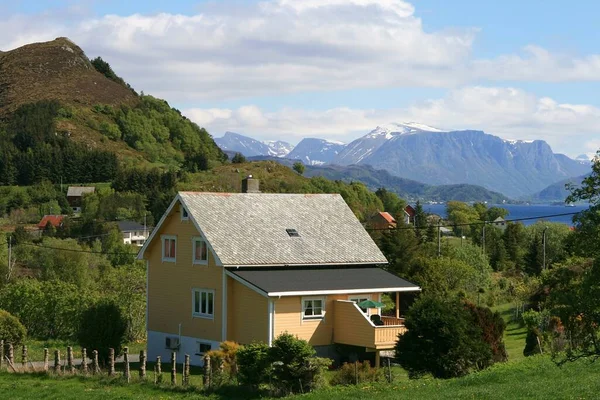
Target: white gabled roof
{"x":250,"y":229}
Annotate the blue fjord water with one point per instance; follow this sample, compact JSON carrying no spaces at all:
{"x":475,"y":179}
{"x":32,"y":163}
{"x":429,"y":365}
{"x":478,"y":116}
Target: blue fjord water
{"x":518,"y":211}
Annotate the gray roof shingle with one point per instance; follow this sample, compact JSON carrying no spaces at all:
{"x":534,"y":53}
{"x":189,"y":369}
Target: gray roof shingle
{"x":282,"y":281}
{"x":249,"y":229}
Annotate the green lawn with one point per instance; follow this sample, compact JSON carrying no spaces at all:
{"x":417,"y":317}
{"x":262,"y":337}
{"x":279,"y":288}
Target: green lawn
{"x":530,"y":378}
{"x":515,"y":333}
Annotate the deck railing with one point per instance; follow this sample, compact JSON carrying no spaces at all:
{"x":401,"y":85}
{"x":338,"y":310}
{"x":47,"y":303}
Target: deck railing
{"x":353,"y":327}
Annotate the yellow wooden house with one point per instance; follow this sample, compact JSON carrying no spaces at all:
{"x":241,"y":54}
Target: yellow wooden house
{"x":247,"y":267}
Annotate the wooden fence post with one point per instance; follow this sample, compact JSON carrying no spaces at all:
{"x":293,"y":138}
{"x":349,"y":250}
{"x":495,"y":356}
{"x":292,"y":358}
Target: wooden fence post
{"x":57,"y":361}
{"x":11,"y":355}
{"x":45,"y":360}
{"x":157,"y":371}
{"x":1,"y":353}
{"x":173,"y":368}
{"x":95,"y":365}
{"x":207,"y":372}
{"x":84,"y":366}
{"x":70,"y":365}
{"x":142,"y":364}
{"x":111,"y":362}
{"x":24,"y":356}
{"x":186,"y":370}
{"x":126,"y":362}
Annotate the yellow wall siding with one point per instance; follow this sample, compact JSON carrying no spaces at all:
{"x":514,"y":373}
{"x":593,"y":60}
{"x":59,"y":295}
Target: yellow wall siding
{"x":248,"y":314}
{"x":288,"y":318}
{"x":170,"y":284}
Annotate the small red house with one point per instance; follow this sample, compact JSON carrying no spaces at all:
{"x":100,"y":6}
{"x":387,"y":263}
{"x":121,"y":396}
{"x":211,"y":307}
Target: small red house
{"x":54,"y":220}
{"x":382,"y":220}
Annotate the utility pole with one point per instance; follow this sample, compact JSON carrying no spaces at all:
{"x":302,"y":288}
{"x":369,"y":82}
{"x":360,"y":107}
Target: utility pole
{"x":9,"y":252}
{"x":439,"y":238}
{"x":544,"y":247}
{"x":483,"y":238}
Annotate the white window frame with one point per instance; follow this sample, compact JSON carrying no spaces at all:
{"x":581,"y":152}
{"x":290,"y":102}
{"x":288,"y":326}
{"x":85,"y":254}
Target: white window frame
{"x":358,"y":299}
{"x":162,"y":241}
{"x":200,"y":314}
{"x":313,"y":317}
{"x":183,"y":210}
{"x":200,"y":343}
{"x":199,"y":262}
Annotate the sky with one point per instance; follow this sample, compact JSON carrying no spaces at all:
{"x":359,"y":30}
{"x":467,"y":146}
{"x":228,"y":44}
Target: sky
{"x":336,"y":69}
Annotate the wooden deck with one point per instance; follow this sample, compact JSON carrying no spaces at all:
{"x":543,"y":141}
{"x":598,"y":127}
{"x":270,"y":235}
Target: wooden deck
{"x":353,"y":327}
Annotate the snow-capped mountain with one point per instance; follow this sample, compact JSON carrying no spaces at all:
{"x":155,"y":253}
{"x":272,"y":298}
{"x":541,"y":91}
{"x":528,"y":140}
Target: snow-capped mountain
{"x":313,"y":151}
{"x":249,"y":147}
{"x":363,"y":147}
{"x":278,"y":148}
{"x":513,"y":167}
{"x":586,"y":158}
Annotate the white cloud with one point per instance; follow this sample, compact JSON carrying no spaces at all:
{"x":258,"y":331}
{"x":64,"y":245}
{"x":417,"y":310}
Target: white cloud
{"x":506,"y":112}
{"x":239,"y":50}
{"x":274,"y":47}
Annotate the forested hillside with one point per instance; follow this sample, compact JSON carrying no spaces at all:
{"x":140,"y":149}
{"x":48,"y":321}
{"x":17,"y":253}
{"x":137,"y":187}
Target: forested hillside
{"x":64,"y":117}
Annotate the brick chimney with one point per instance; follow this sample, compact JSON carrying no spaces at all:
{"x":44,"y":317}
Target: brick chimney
{"x":250,"y":185}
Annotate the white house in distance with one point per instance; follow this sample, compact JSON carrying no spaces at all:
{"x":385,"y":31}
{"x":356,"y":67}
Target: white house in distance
{"x":133,"y":232}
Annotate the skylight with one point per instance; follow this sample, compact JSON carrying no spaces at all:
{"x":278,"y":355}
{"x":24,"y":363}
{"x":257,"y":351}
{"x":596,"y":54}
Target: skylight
{"x":292,"y":232}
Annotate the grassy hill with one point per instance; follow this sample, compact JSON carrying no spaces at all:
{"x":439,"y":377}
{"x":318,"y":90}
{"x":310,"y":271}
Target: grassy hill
{"x":57,"y":70}
{"x":56,"y":104}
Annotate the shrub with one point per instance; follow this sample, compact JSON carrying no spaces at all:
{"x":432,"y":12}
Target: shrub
{"x":226,"y":356}
{"x":11,"y":329}
{"x":295,"y":367}
{"x":532,"y":343}
{"x":492,"y":330}
{"x":238,"y":158}
{"x":253,"y":364}
{"x":103,"y":326}
{"x":442,"y":340}
{"x":355,"y":373}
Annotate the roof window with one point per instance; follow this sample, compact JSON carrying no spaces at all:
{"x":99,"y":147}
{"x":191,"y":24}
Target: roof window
{"x":292,"y":232}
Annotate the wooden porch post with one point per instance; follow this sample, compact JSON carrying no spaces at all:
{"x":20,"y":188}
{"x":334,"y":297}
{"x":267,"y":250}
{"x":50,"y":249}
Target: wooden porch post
{"x":377,"y":359}
{"x":397,"y":304}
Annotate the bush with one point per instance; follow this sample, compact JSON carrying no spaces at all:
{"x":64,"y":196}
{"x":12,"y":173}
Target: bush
{"x":442,"y":340}
{"x":295,"y":367}
{"x":226,"y":356}
{"x":253,"y":364}
{"x":103,"y":326}
{"x":238,"y":158}
{"x":11,"y":329}
{"x":532,"y":343}
{"x":355,"y":373}
{"x":492,"y":330}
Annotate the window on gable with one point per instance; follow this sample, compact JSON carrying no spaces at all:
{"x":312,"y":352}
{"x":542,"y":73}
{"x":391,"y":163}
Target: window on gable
{"x":184,"y":214}
{"x":203,"y":303}
{"x":169,"y":248}
{"x":200,"y":250}
{"x":313,"y":308}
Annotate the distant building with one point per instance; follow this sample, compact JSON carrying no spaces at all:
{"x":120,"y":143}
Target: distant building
{"x":75,"y":194}
{"x":54,"y":220}
{"x":409,"y":215}
{"x":133,"y":232}
{"x":500,"y":223}
{"x":381,"y":220}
